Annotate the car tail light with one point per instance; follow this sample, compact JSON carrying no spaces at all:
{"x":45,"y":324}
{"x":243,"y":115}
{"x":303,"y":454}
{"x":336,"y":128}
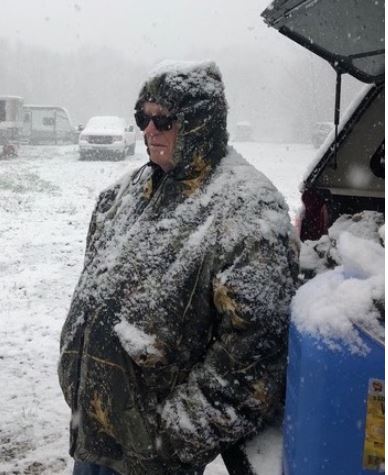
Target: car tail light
{"x":298,"y":219}
{"x":314,"y":219}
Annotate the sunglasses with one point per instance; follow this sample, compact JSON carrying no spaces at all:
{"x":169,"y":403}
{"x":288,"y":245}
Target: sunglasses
{"x":161,"y":122}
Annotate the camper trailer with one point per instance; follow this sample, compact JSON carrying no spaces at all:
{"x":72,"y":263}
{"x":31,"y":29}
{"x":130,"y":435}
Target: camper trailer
{"x":10,"y":119}
{"x":47,"y":125}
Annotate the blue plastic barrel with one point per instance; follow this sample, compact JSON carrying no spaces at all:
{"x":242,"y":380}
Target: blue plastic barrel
{"x":332,"y":397}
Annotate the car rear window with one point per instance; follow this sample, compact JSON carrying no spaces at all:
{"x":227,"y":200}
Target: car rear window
{"x":358,"y":169}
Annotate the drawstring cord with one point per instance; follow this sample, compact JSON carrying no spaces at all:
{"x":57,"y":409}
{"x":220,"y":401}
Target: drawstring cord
{"x":158,"y":192}
{"x":137,"y":176}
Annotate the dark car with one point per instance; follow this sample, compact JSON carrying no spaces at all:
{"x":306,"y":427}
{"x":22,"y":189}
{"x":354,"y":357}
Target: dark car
{"x":348,"y":175}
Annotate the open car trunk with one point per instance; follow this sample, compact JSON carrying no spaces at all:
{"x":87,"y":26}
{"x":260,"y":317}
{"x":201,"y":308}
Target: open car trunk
{"x":353,"y":179}
{"x":348,"y":176}
{"x":347,"y":33}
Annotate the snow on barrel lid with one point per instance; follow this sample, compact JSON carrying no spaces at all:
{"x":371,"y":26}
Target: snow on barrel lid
{"x":330,"y":306}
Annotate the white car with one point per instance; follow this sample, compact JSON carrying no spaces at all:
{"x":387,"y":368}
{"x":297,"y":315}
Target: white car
{"x":107,"y":137}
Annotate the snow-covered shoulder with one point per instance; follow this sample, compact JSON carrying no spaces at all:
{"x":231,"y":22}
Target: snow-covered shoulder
{"x":249,"y":197}
{"x":124,"y":183}
{"x":256,"y":182}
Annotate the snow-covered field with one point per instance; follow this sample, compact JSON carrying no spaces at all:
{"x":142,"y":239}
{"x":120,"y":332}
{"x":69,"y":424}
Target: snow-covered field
{"x":47,"y":196}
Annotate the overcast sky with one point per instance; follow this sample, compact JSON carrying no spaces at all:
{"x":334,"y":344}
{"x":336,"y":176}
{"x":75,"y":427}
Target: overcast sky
{"x":150,"y":29}
{"x":268,"y":78}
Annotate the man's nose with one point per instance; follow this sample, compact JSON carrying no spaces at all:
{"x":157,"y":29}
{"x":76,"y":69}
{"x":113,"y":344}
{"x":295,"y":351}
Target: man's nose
{"x":151,"y":129}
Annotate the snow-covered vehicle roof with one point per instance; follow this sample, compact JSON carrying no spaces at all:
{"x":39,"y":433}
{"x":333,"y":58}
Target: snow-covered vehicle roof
{"x":44,"y":106}
{"x":106,"y":122}
{"x":105,"y":125}
{"x":17,"y":98}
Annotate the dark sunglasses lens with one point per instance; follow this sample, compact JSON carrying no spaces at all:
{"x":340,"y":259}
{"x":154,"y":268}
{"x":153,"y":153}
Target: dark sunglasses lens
{"x":142,"y":120}
{"x":161,"y":122}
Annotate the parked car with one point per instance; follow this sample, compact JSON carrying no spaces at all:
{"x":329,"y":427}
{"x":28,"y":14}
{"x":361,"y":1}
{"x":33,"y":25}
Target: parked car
{"x":348,"y":173}
{"x":107,"y":137}
{"x":47,"y":125}
{"x":331,"y":426}
{"x":320,"y":131}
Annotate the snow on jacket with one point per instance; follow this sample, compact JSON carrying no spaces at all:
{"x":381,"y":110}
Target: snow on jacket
{"x":174,"y":346}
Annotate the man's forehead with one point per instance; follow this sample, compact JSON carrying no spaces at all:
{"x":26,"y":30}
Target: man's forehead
{"x":153,"y":108}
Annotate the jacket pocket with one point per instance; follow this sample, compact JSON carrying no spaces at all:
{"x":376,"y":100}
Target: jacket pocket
{"x":138,"y":437}
{"x":161,"y":379}
{"x":67,"y":368}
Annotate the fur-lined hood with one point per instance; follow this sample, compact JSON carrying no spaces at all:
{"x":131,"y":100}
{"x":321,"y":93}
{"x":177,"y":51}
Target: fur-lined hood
{"x":194,"y":92}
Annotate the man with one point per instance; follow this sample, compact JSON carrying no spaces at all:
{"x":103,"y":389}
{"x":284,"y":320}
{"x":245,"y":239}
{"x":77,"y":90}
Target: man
{"x":174,"y":347}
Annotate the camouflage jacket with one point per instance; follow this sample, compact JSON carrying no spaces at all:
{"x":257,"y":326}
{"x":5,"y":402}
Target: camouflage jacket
{"x":175,"y":343}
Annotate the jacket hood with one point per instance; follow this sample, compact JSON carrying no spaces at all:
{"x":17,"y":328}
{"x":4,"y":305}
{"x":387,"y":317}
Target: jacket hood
{"x":194,"y":92}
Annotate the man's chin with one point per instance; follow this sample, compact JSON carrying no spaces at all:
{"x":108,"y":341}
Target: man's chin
{"x":162,"y":162}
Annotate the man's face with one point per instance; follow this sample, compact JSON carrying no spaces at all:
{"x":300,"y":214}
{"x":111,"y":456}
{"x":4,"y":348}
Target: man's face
{"x":161,"y":144}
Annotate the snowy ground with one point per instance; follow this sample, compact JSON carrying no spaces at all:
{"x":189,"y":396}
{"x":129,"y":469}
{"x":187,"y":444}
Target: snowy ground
{"x":47,"y":196}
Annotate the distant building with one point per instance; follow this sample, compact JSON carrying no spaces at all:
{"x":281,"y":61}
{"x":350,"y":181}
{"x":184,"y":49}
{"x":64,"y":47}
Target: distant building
{"x":243,"y":132}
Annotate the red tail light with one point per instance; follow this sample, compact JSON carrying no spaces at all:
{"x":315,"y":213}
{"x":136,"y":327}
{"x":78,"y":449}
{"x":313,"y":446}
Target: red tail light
{"x":298,"y":219}
{"x":314,"y":221}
